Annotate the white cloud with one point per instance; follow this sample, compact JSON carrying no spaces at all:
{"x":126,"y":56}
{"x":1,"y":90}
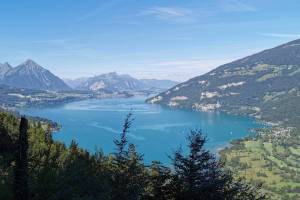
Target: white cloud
{"x":192,"y":14}
{"x":93,"y":13}
{"x":166,"y":12}
{"x":281,"y":35}
{"x":176,"y":14}
{"x":236,"y":6}
{"x":178,"y":70}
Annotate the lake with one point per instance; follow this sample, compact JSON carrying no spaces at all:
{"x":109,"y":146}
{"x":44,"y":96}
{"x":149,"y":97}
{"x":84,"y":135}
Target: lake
{"x":156,"y":131}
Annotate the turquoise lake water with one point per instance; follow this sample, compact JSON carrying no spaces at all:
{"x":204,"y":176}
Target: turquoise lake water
{"x":156,"y":131}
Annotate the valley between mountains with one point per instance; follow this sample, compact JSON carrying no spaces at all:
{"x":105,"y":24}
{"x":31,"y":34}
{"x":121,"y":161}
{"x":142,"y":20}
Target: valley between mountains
{"x":265,"y":86}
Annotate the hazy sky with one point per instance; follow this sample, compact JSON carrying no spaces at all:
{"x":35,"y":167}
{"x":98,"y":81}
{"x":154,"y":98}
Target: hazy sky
{"x":175,"y":39}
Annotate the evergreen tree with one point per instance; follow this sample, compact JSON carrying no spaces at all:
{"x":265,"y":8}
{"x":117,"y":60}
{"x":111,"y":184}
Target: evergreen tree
{"x":44,"y":163}
{"x":128,"y":177}
{"x":6,"y":143}
{"x":80,"y":178}
{"x":159,"y":176}
{"x":21,"y":168}
{"x":7,"y":156}
{"x":121,"y":145}
{"x":60,"y":172}
{"x":243,"y":191}
{"x":199,"y":176}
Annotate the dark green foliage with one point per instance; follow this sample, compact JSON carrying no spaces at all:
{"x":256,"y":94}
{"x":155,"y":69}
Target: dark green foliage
{"x":21,"y":168}
{"x":159,"y":176}
{"x":199,"y":176}
{"x":129,"y":176}
{"x":80,"y":177}
{"x":121,"y":151}
{"x":8,"y":138}
{"x":57,"y":172}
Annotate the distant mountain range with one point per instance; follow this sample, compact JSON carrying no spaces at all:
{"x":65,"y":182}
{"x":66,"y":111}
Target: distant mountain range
{"x":162,"y":84}
{"x":264,"y":85}
{"x":110,"y":82}
{"x":118,"y":82}
{"x":4,"y":68}
{"x":30,"y":75}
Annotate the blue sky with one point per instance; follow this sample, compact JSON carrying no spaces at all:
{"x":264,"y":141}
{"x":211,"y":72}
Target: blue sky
{"x":146,"y":38}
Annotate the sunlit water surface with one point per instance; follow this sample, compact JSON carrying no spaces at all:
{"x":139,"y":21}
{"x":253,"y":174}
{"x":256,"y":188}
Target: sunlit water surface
{"x":156,"y":131}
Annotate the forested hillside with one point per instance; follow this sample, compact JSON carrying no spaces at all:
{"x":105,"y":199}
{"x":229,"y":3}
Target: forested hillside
{"x":33,"y":166}
{"x":264,"y":85}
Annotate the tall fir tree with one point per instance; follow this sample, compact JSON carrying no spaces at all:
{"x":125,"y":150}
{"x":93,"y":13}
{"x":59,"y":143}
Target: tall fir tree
{"x":128,"y":176}
{"x":21,"y":168}
{"x":200,"y":176}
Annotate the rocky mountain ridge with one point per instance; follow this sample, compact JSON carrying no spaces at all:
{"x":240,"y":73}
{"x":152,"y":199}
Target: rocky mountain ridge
{"x":118,"y":82}
{"x":31,"y":75}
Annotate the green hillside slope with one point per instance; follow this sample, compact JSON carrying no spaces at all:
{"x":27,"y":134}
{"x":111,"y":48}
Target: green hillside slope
{"x":264,"y":85}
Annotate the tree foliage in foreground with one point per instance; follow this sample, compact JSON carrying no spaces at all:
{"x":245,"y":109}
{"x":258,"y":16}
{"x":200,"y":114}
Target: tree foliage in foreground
{"x":57,"y":172}
{"x":21,"y":163}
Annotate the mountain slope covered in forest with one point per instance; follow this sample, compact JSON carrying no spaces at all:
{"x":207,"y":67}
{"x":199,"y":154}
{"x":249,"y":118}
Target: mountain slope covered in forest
{"x":264,"y":85}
